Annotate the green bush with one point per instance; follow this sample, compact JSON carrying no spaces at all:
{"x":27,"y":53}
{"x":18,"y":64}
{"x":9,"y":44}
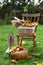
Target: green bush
{"x":8,"y":17}
{"x":41,"y":20}
{"x":1,"y":21}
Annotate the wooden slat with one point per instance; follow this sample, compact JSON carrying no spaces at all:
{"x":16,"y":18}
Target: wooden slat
{"x":37,"y":15}
{"x":31,"y":15}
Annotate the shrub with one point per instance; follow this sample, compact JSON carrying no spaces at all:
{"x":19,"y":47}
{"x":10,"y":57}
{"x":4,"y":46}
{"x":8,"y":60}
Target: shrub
{"x":41,"y":20}
{"x":8,"y":17}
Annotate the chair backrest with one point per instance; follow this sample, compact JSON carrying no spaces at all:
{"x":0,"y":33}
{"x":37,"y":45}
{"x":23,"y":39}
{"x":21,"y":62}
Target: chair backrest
{"x":34,"y":17}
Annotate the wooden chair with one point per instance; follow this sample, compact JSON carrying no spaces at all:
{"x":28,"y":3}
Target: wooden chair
{"x":34,"y":18}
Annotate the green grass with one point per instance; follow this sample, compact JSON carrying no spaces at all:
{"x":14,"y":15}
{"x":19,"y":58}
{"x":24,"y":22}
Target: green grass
{"x":4,"y":58}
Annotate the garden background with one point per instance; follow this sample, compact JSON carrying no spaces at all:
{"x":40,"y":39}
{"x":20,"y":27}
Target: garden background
{"x":7,"y":12}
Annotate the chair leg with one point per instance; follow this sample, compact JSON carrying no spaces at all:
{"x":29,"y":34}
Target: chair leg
{"x":34,"y":43}
{"x":17,"y":40}
{"x":20,"y":42}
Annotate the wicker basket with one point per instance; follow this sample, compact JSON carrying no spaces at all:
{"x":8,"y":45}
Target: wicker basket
{"x":19,"y":55}
{"x":26,"y":30}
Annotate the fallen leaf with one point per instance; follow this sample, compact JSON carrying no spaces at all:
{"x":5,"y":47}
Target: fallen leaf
{"x":37,"y":55}
{"x":39,"y":63}
{"x":23,"y":42}
{"x":35,"y":62}
{"x":13,"y":60}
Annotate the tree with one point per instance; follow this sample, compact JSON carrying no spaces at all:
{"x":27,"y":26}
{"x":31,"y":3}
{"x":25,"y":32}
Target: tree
{"x":15,"y":5}
{"x":5,"y":1}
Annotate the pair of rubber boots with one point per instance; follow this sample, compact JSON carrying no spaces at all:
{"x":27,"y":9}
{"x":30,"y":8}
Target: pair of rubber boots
{"x":10,"y":42}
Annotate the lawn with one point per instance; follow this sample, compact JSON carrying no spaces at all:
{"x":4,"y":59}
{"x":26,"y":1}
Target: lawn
{"x":4,"y":58}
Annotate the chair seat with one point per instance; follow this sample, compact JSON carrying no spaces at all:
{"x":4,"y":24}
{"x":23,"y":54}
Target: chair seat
{"x":31,"y":35}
